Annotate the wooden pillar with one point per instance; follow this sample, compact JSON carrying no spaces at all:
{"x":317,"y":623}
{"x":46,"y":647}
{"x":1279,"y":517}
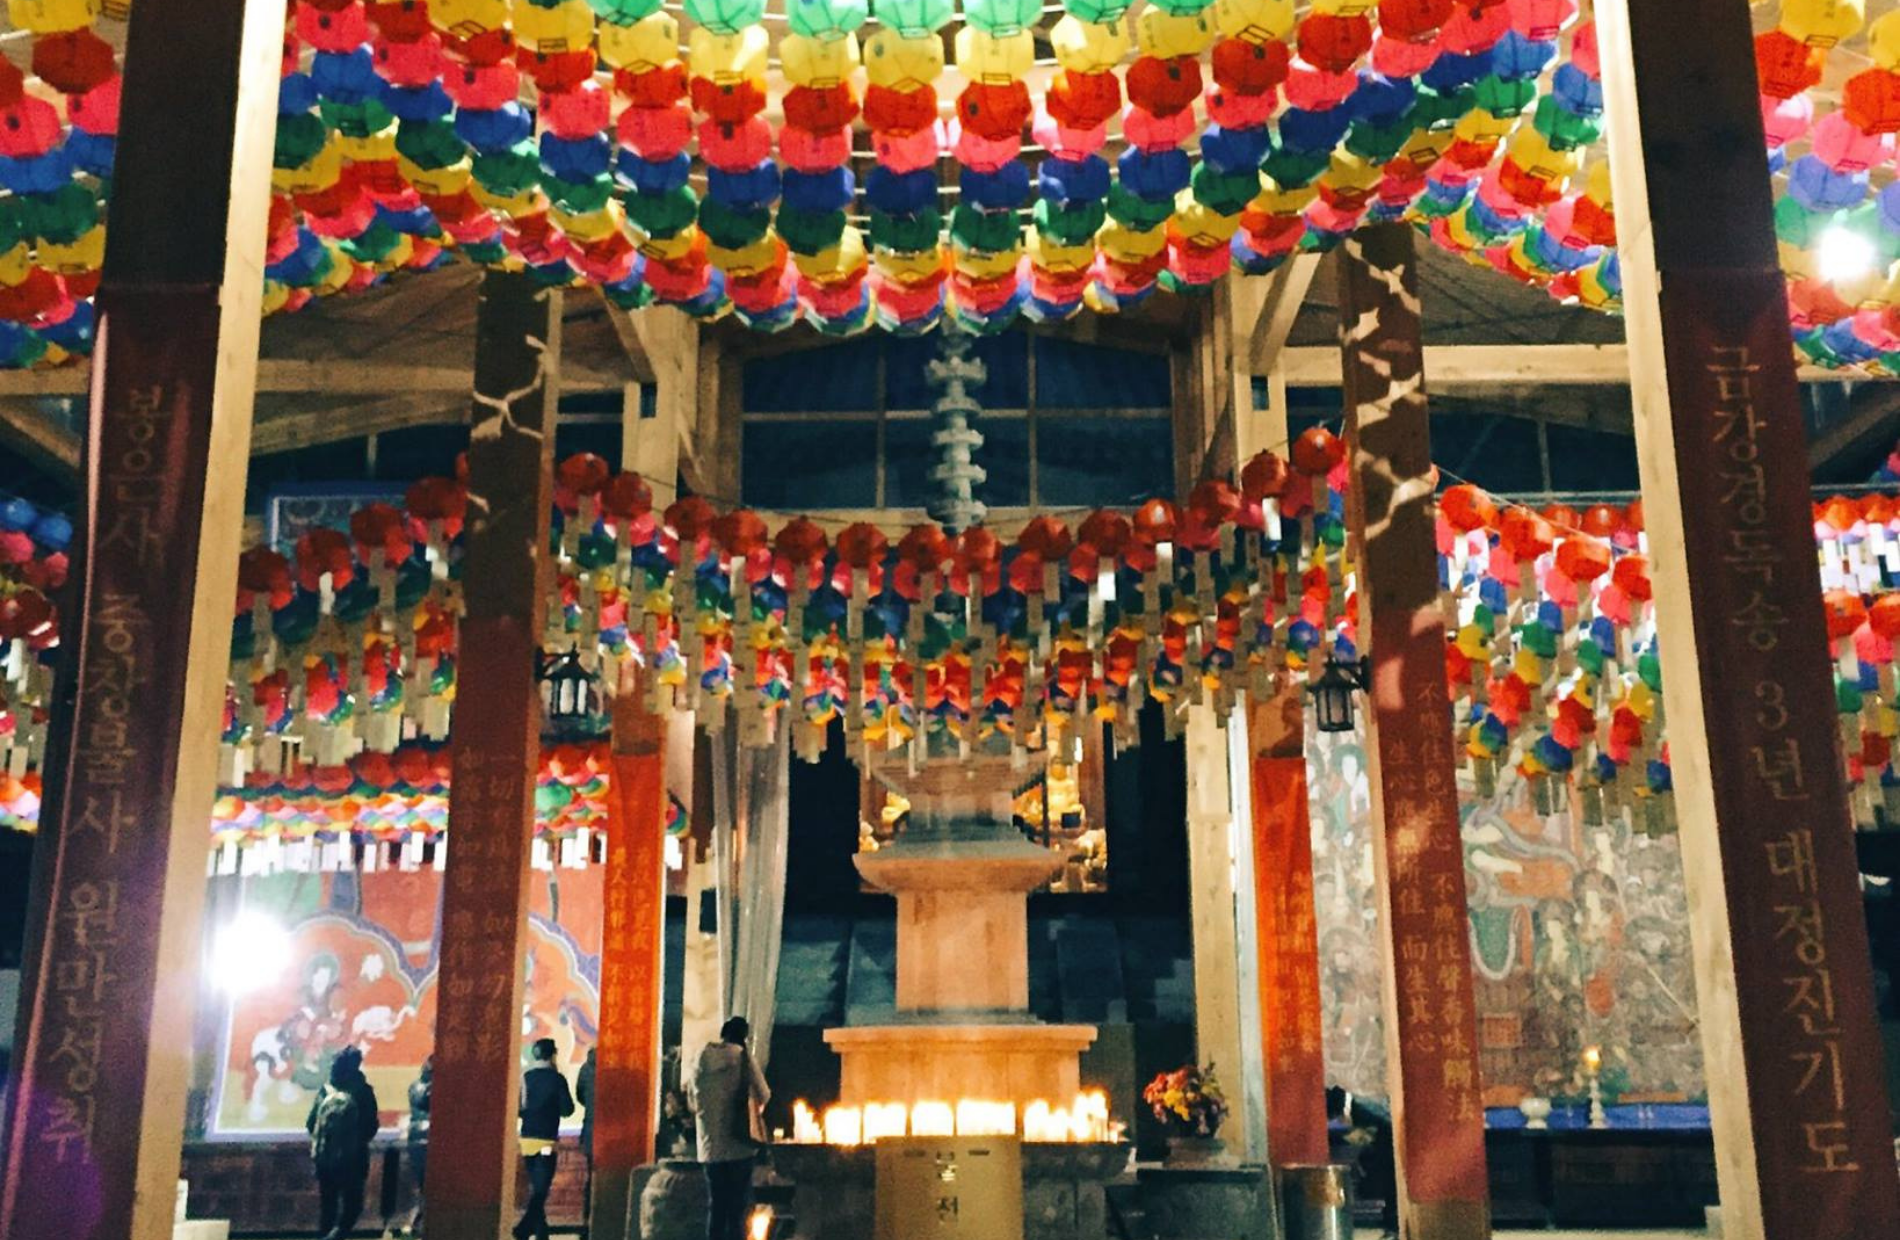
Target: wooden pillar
{"x":1286,"y":936}
{"x":1790,"y":1041}
{"x":495,"y":746}
{"x":1211,"y":872}
{"x":1419,"y":860}
{"x":626,"y":1074}
{"x":102,"y":1060}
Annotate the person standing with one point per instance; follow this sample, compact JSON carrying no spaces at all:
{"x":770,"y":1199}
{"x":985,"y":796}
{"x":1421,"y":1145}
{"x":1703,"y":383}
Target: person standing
{"x":418,"y":1138}
{"x":545,"y":1102}
{"x":342,"y":1124}
{"x":729,"y":1095}
{"x":584,"y":1094}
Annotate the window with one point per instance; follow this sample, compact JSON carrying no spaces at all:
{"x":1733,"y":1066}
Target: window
{"x":1064,"y":423}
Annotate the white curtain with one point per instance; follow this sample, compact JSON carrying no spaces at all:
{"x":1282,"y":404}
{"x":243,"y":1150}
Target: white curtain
{"x":750,"y":806}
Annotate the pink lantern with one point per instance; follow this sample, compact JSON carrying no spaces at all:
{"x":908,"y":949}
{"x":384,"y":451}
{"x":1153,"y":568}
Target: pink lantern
{"x":1785,"y":120}
{"x":1846,"y":149}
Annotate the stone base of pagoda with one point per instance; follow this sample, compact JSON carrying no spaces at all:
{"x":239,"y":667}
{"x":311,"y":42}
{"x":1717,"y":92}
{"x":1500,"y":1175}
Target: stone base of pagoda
{"x":1019,"y":1063}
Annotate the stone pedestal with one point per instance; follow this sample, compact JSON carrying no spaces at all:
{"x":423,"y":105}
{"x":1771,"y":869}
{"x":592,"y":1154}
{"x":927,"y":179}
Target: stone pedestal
{"x":943,"y":1063}
{"x":1208,"y":1203}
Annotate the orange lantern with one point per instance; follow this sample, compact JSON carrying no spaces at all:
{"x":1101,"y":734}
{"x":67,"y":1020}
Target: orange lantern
{"x":1583,"y":559}
{"x":1317,"y":451}
{"x":1845,"y":613}
{"x":1467,"y":508}
{"x":1263,"y":477}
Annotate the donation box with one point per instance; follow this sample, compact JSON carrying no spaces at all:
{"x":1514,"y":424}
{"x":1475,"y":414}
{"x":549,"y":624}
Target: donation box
{"x":950,"y":1188}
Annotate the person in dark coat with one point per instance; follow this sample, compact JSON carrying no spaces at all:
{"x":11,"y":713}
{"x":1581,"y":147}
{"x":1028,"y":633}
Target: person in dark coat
{"x":584,"y":1094}
{"x":545,"y":1102}
{"x":1367,"y":1134}
{"x":342,"y":1124}
{"x":418,"y":1137}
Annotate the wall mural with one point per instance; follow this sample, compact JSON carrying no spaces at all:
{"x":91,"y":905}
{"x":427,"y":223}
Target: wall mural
{"x":1580,"y":935}
{"x":356,"y":965}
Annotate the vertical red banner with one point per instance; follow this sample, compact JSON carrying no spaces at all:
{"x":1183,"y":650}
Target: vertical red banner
{"x":1290,"y":1026}
{"x":626,"y":1081}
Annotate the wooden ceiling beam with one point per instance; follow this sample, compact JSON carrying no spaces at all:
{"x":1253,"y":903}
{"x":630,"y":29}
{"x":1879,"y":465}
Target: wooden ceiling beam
{"x":291,"y":377}
{"x":41,"y":439}
{"x":1488,"y":365}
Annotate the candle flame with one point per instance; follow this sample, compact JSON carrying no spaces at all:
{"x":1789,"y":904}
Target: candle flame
{"x":1085,"y":1119}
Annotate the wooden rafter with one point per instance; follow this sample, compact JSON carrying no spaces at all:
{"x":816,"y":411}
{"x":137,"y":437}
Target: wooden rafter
{"x":1488,"y":365}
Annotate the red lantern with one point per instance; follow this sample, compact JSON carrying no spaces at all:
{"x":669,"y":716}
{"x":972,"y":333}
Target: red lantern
{"x":626,"y":497}
{"x":263,"y":571}
{"x":1845,"y":613}
{"x":1046,"y":538}
{"x":378,"y":532}
{"x":1884,"y":616}
{"x":1155,"y":522}
{"x":978,"y":551}
{"x":861,"y":545}
{"x":1524,"y":534}
{"x":1317,"y":451}
{"x":1840,"y":514}
{"x":690,"y":519}
{"x":1583,"y":559}
{"x":1467,"y":508}
{"x":1334,"y":44}
{"x":583,"y":473}
{"x":1786,"y":65}
{"x":324,"y":551}
{"x":1413,"y":21}
{"x":1215,"y":502}
{"x":926,"y":548}
{"x":1600,"y":520}
{"x":1631,"y":576}
{"x":1263,"y":477}
{"x":800,"y":542}
{"x":1108,"y":532}
{"x":437,"y":499}
{"x":740,"y":532}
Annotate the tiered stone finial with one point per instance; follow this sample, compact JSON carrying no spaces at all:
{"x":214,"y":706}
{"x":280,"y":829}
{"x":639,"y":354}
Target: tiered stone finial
{"x":956,"y":475}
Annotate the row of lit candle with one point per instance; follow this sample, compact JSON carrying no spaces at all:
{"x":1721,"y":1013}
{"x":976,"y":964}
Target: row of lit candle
{"x":1086,"y":1120}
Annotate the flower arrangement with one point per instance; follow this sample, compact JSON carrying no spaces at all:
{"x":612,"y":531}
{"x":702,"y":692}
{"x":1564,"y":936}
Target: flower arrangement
{"x":1188,"y":1098}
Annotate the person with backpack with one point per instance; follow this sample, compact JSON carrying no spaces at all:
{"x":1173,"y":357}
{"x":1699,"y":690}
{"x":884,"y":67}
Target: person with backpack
{"x":545,"y":1102}
{"x":729,"y":1095}
{"x":342,"y":1124}
{"x":584,"y":1094}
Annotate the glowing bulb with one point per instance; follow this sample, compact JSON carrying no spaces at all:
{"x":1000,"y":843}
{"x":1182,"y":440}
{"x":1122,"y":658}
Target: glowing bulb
{"x":759,"y":1226}
{"x":252,"y":952}
{"x":1844,"y":254}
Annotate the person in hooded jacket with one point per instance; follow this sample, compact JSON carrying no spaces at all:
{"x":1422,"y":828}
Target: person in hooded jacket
{"x":728,"y":1094}
{"x":342,"y":1124}
{"x":545,"y":1102}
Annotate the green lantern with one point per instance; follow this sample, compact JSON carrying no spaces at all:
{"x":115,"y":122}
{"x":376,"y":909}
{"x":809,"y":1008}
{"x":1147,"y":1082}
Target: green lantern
{"x":726,"y":16}
{"x":1564,"y":129}
{"x":732,"y":228}
{"x":1505,"y":96}
{"x":1001,"y":17}
{"x":427,"y":144}
{"x":810,"y":232}
{"x":1183,"y":8}
{"x":59,"y":218}
{"x":663,"y":215}
{"x":906,"y":234}
{"x":1291,"y":169}
{"x":1226,"y":193}
{"x":357,"y":120}
{"x":1070,"y":225}
{"x":1379,"y":144}
{"x":580,"y":197}
{"x":1135,"y":212}
{"x":826,"y":19}
{"x":300,"y":138}
{"x":1096,"y":12}
{"x":623,"y":12}
{"x":487,"y":253}
{"x":912,"y":18}
{"x":1441,"y":110}
{"x":990,"y":232}
{"x":511,"y":172}
{"x":374,"y":244}
{"x":629,"y":298}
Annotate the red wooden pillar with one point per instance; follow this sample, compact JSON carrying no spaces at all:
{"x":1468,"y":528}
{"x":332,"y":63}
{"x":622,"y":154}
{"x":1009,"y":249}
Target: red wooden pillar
{"x":1419,"y":860}
{"x":1790,"y":1040}
{"x":102,"y":1060}
{"x":495,"y":745}
{"x":626,"y":1080}
{"x":1291,"y":1034}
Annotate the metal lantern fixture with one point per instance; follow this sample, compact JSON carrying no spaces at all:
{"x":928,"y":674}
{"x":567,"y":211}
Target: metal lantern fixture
{"x":567,"y":688}
{"x":1332,"y":694}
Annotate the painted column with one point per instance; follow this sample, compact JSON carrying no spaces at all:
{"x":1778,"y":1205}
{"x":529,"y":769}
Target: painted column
{"x":1784,"y":983}
{"x":626,"y":1074}
{"x":102,"y":1060}
{"x":1419,"y":860}
{"x":495,"y":746}
{"x":1286,"y":932}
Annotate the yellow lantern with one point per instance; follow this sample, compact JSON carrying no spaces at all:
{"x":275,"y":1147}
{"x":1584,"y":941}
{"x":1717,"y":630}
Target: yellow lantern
{"x":1425,"y":147}
{"x":375,"y":148}
{"x":995,"y":60}
{"x":590,"y":226}
{"x":468,"y":17}
{"x":276,"y":296}
{"x":319,"y":174}
{"x":649,"y":43}
{"x":1167,"y":35}
{"x":670,"y":249}
{"x":819,"y":63}
{"x":1481,"y":126}
{"x":1351,"y":172}
{"x":899,"y":63}
{"x":1344,"y":8}
{"x":16,"y":265}
{"x":436,"y":182}
{"x":1597,"y":185}
{"x":1535,"y":156}
{"x":1272,"y":200}
{"x":1822,"y":23}
{"x":1125,"y":245}
{"x":1053,"y":256}
{"x":567,"y":27}
{"x":1883,"y":40}
{"x":1256,"y":21}
{"x":524,"y":203}
{"x":1089,"y":47}
{"x":729,"y":59}
{"x":51,"y":16}
{"x":837,"y":263}
{"x":983,"y":265}
{"x":912,"y":268}
{"x":1200,"y":224}
{"x":747,"y":260}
